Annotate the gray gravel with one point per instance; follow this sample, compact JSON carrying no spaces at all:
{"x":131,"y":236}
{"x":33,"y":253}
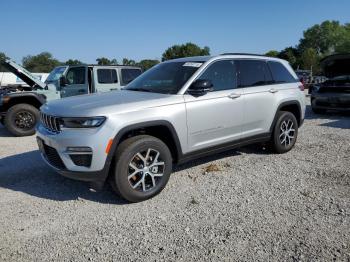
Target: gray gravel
{"x":248,"y":205}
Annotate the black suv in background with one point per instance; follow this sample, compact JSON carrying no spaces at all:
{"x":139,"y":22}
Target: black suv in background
{"x":334,"y":93}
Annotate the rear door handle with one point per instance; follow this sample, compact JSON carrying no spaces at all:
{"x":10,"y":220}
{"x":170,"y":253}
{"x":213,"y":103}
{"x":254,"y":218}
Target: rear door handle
{"x":234,"y":95}
{"x":272,"y":90}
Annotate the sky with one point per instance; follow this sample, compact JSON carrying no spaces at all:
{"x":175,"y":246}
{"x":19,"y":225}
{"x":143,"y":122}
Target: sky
{"x":140,"y":29}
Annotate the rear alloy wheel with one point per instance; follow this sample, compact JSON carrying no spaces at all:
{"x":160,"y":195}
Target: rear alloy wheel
{"x":143,"y":167}
{"x":21,"y":119}
{"x":285,"y":132}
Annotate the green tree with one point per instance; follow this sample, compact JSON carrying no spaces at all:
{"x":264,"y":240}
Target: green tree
{"x":147,"y":63}
{"x":344,"y":45}
{"x":290,"y":54}
{"x":324,"y":38}
{"x":43,"y":62}
{"x":310,"y":60}
{"x":185,"y":50}
{"x":3,"y":57}
{"x":106,"y":61}
{"x":129,"y":62}
{"x":73,"y":62}
{"x":272,"y":53}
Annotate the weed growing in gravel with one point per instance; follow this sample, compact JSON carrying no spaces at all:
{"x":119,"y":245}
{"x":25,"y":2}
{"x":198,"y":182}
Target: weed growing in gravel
{"x":194,"y":201}
{"x":211,"y":168}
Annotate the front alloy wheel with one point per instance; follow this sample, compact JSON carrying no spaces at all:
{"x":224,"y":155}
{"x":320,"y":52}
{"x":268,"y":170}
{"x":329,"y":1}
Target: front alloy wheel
{"x":145,"y":170}
{"x":142,"y":168}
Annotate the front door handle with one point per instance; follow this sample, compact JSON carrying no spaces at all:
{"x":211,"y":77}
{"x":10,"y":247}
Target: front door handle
{"x":273,"y":90}
{"x":81,"y":90}
{"x":234,"y":95}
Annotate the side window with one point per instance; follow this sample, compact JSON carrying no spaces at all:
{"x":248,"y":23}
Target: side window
{"x":222,"y":74}
{"x":107,"y":76}
{"x":254,"y":73}
{"x":280,"y":74}
{"x":129,"y":74}
{"x":76,"y":76}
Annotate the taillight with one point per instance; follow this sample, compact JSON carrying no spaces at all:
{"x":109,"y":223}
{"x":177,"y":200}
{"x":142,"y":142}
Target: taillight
{"x":301,"y":86}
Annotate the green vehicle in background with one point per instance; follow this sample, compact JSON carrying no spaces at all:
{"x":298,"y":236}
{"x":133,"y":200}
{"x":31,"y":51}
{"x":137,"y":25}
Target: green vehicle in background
{"x":19,"y":109}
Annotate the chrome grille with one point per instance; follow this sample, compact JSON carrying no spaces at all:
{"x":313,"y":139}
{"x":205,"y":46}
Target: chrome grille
{"x":51,"y":123}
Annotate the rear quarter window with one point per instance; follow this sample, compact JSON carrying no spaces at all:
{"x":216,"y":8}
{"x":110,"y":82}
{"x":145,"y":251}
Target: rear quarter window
{"x":129,"y":74}
{"x":254,"y":73}
{"x":280,"y":73}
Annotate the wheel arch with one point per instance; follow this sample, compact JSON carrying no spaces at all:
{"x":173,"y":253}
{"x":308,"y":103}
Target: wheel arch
{"x":160,"y":129}
{"x":293,"y":107}
{"x":31,"y":99}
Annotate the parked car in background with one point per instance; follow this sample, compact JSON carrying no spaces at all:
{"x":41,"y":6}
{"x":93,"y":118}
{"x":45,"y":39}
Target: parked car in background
{"x":174,"y":112}
{"x":334,"y":93}
{"x":19,"y":110}
{"x":304,"y":76}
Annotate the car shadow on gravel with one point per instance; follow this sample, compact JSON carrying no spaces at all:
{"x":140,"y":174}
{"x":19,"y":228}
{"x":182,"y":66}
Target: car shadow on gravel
{"x":333,"y":115}
{"x":28,"y":173}
{"x":4,"y":132}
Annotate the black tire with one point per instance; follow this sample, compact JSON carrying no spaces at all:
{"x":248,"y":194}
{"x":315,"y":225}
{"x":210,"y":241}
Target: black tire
{"x":279,"y":145}
{"x":126,"y":154}
{"x":318,"y":110}
{"x":21,"y":119}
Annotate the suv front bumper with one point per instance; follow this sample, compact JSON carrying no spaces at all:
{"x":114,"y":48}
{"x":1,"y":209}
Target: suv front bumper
{"x":54,"y":151}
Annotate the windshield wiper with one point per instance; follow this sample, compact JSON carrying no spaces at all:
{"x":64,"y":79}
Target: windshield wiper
{"x":138,"y":89}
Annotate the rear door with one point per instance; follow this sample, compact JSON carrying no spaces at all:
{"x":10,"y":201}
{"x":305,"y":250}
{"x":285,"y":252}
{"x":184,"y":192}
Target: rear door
{"x":259,"y":93}
{"x":106,"y":79}
{"x":77,"y":81}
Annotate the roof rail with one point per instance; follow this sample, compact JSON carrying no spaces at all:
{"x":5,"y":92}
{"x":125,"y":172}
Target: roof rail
{"x":241,"y":54}
{"x":111,"y":65}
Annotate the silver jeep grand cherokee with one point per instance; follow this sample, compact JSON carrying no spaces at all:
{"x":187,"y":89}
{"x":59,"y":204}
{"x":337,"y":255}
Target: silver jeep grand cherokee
{"x":178,"y":110}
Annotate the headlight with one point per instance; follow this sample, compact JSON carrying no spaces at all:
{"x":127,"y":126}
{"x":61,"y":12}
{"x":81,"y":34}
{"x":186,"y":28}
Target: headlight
{"x":81,"y":122}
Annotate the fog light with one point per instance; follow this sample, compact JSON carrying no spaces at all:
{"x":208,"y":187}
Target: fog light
{"x":79,"y":149}
{"x":81,"y":159}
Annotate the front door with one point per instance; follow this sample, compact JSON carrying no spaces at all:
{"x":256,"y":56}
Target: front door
{"x":77,"y":82}
{"x":216,"y":117}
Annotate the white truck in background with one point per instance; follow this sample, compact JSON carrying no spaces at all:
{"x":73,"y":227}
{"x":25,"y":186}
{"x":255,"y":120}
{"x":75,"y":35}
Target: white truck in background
{"x":8,"y":79}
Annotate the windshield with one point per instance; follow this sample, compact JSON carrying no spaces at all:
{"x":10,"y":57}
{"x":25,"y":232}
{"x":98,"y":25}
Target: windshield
{"x":166,"y":78}
{"x":55,"y":74}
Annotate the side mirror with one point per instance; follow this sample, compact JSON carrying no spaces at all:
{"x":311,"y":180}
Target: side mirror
{"x":63,"y":81}
{"x":200,"y":87}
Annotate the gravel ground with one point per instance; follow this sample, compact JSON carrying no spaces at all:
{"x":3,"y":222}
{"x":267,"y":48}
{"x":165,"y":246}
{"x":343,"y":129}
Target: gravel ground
{"x":246,"y":204}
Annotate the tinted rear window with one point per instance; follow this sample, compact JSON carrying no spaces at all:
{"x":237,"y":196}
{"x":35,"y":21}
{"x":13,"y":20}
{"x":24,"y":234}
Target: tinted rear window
{"x":254,"y":73}
{"x":280,"y":74}
{"x":107,"y":76}
{"x":129,"y":74}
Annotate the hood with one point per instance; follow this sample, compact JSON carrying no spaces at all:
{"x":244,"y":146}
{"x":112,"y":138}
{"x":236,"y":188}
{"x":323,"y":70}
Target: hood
{"x":23,"y":74}
{"x":102,"y":104}
{"x":336,"y":65}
